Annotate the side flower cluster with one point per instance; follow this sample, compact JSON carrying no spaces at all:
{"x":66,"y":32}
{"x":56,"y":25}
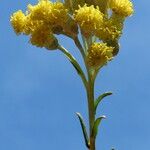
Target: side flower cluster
{"x":41,"y":22}
{"x":89,"y":19}
{"x":99,"y":54}
{"x":104,"y":21}
{"x":123,"y":8}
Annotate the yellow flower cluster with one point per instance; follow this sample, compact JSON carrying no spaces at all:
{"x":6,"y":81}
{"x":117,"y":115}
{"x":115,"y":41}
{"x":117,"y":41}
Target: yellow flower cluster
{"x":99,"y":54}
{"x":123,"y":8}
{"x":111,"y":29}
{"x":18,"y":21}
{"x":89,"y":19}
{"x":43,"y":37}
{"x":41,"y":11}
{"x":47,"y":18}
{"x":53,"y":13}
{"x":39,"y":22}
{"x":93,"y":22}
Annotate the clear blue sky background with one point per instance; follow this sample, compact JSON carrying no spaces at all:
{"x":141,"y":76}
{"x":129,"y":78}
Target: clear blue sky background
{"x":40,"y":91}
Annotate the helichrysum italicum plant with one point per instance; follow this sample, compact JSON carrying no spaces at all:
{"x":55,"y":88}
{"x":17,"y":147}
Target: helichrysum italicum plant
{"x":98,"y":22}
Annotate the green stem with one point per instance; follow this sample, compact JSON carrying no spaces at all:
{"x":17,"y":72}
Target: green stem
{"x":91,"y":110}
{"x":90,"y":94}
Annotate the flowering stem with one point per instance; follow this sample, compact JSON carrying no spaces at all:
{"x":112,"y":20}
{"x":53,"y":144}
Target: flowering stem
{"x":100,"y":31}
{"x":89,"y":86}
{"x":90,"y":95}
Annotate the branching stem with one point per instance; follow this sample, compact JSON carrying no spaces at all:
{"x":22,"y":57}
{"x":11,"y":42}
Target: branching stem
{"x":88,"y":83}
{"x":90,"y":94}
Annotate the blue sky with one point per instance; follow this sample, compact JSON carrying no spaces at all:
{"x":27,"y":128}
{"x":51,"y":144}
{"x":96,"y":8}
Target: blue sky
{"x":40,"y":91}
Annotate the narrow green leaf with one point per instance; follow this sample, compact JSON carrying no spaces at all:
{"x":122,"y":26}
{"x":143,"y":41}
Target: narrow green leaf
{"x":75,"y":65}
{"x":96,"y":125}
{"x":99,"y":99}
{"x":83,"y":129}
{"x":77,"y":68}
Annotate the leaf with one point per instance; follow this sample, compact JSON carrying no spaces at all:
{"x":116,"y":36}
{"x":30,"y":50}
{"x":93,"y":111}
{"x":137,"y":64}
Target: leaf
{"x":100,"y":98}
{"x":96,"y":125}
{"x":77,"y":68}
{"x":83,"y":129}
{"x":75,"y":64}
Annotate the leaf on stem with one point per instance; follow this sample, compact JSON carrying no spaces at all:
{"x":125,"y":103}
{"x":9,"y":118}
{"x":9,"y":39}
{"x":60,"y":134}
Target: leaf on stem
{"x":100,"y":98}
{"x":96,"y":125}
{"x":83,"y":129}
{"x":75,"y":64}
{"x":78,"y":69}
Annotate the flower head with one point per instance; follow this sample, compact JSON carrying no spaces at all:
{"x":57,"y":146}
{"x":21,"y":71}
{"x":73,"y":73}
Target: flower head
{"x":43,"y":37}
{"x":99,"y":54}
{"x":53,"y":13}
{"x":111,"y":29}
{"x":18,"y":21}
{"x":31,"y":25}
{"x":59,"y":14}
{"x":89,"y":19}
{"x":123,"y":8}
{"x":39,"y":22}
{"x":40,"y":11}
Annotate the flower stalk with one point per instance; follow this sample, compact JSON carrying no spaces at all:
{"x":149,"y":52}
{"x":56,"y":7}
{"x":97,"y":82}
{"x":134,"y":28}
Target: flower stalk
{"x":99,"y":29}
{"x":90,"y":96}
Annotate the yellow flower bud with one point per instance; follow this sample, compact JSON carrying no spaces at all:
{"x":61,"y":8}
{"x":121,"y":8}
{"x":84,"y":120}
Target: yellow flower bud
{"x":31,"y":25}
{"x":53,"y":13}
{"x":111,"y":29}
{"x":59,"y":14}
{"x":41,"y":11}
{"x":123,"y":8}
{"x":18,"y":21}
{"x":89,"y":19}
{"x":43,"y":37}
{"x":99,"y":54}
